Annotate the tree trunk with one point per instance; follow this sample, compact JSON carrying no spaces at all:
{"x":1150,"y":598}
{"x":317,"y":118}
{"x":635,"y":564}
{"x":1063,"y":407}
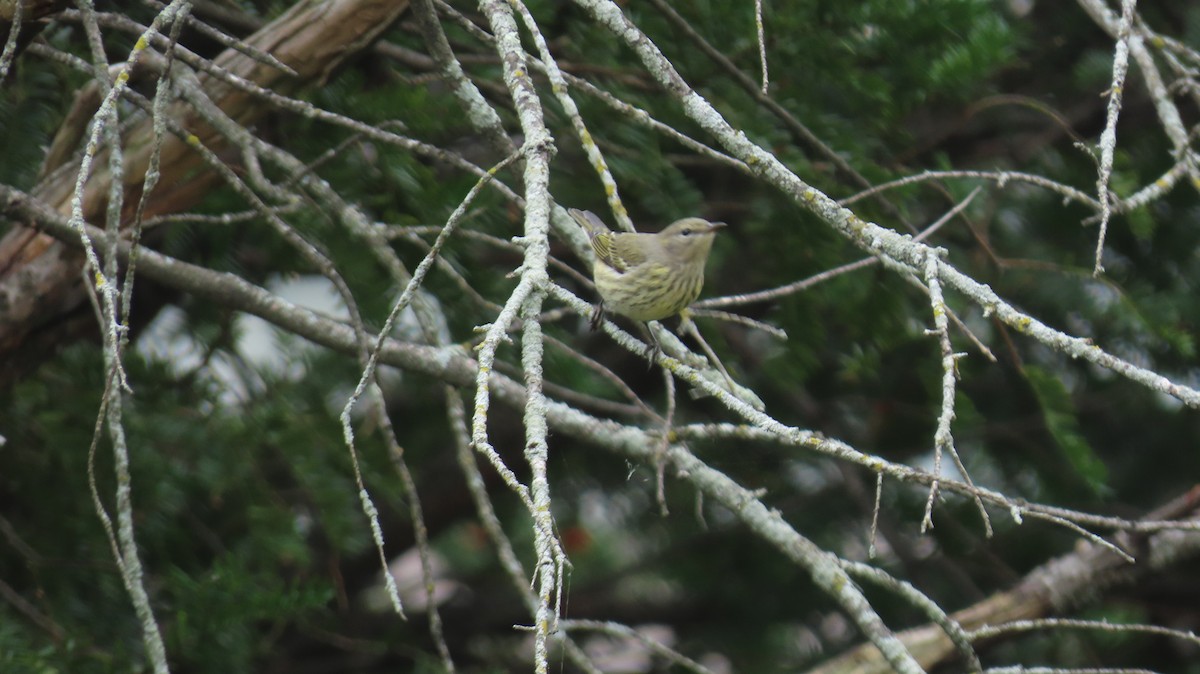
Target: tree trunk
{"x":42,"y":298}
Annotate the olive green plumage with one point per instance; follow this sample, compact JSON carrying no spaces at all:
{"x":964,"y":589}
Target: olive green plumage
{"x":649,"y":277}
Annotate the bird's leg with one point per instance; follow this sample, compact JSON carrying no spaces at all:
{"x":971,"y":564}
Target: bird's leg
{"x":654,"y":350}
{"x":597,"y":316}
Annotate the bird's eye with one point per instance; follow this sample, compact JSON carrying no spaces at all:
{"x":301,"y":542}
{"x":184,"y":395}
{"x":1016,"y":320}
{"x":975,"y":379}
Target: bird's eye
{"x":686,"y":232}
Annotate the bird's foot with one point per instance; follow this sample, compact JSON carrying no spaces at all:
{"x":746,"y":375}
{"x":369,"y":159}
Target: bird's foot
{"x":597,"y":316}
{"x":653,"y":349}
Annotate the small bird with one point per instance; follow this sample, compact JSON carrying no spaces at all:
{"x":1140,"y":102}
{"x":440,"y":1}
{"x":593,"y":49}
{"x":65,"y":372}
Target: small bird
{"x":648,"y":277}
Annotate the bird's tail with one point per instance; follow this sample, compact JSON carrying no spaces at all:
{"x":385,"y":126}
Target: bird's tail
{"x":589,"y":221}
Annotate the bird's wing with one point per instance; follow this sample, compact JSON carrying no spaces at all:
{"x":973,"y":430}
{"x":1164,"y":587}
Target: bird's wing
{"x":602,"y":246}
{"x":620,"y":251}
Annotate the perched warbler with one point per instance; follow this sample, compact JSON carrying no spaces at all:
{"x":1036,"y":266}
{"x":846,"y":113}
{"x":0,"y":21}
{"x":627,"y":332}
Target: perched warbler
{"x":648,"y":277}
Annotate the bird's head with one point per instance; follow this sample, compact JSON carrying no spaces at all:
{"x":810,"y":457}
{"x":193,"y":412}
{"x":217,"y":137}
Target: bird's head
{"x":690,"y":239}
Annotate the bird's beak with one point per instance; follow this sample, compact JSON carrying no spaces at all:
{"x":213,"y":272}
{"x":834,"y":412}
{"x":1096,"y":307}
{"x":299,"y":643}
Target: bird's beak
{"x":714,"y":226}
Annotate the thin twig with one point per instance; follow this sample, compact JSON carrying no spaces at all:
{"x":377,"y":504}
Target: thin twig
{"x":1108,"y":139}
{"x":10,"y":44}
{"x":762,"y":46}
{"x":660,"y":459}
